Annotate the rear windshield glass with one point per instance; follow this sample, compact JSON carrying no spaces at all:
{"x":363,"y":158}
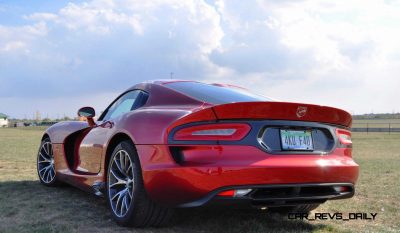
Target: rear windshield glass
{"x":215,"y":94}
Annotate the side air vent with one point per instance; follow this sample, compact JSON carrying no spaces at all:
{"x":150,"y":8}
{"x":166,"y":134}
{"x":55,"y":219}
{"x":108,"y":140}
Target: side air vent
{"x":177,"y":155}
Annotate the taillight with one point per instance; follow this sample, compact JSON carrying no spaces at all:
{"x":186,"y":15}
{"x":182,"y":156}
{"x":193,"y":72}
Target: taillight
{"x":227,"y":193}
{"x":235,"y":193}
{"x":344,"y":137}
{"x":219,"y":131}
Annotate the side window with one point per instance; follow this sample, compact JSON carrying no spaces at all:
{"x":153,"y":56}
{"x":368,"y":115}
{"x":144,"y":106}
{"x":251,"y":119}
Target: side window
{"x":123,"y":105}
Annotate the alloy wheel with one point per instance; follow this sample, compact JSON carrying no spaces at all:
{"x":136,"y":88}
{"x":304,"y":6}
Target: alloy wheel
{"x":120,"y":183}
{"x":45,"y":162}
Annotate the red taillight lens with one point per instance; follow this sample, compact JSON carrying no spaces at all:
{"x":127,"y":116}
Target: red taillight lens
{"x":344,"y":137}
{"x":227,"y":193}
{"x":235,"y":193}
{"x":227,"y":132}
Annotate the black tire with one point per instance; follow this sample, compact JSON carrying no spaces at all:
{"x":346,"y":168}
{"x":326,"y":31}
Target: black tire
{"x":45,"y":164}
{"x":284,"y":210}
{"x":142,"y":211}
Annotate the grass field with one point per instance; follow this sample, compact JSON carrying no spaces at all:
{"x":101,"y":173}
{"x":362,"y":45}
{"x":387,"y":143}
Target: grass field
{"x":27,"y":206}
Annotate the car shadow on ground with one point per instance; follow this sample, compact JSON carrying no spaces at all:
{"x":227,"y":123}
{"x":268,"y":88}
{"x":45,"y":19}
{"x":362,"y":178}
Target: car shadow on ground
{"x":27,"y":206}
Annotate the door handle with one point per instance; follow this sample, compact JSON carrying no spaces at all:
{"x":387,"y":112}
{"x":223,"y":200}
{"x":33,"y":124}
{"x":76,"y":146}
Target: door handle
{"x":107,"y":124}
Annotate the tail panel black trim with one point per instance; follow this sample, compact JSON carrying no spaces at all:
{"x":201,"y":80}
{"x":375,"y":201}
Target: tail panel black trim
{"x":264,"y":134}
{"x":279,"y":194}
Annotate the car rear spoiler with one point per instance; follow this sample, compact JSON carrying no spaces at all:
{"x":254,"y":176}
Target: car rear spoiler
{"x":269,"y":111}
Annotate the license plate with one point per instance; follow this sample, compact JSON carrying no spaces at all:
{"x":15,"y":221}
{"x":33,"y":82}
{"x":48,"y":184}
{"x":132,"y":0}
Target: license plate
{"x":296,"y":139}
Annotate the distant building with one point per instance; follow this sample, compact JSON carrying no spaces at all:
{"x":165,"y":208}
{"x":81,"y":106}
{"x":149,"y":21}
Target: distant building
{"x":38,"y":116}
{"x":19,"y":124}
{"x":3,"y":120}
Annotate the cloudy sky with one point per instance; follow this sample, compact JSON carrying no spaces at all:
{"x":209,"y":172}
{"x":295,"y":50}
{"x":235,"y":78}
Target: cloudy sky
{"x":56,"y":56}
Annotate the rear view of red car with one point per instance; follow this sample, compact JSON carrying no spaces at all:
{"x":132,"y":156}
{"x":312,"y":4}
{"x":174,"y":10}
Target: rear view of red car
{"x":174,"y":144}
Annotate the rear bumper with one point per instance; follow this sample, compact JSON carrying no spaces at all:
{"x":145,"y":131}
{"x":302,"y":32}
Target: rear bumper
{"x":277,"y":195}
{"x":209,"y":169}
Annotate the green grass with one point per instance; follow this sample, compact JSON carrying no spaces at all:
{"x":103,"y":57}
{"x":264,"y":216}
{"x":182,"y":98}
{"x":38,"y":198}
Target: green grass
{"x":27,"y":206}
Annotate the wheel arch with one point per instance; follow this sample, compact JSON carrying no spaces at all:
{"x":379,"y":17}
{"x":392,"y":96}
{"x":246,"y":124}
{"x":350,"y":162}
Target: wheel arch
{"x":114,"y":141}
{"x":45,"y":135}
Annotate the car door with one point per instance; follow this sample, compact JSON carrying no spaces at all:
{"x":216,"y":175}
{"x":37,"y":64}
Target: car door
{"x":93,"y":144}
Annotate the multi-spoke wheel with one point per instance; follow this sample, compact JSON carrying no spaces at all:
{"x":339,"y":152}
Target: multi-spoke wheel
{"x":120,"y":185}
{"x":126,"y":195}
{"x":45,"y":163}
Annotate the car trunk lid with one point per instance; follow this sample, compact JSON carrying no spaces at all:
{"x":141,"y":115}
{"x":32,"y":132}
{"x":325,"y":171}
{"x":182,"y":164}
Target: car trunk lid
{"x":282,"y":111}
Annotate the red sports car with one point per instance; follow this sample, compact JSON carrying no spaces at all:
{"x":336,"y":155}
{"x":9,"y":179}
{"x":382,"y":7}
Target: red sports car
{"x":168,"y":144}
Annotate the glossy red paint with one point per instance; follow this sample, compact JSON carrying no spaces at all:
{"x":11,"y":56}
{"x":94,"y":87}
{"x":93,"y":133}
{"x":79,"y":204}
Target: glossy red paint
{"x":206,"y":167}
{"x":209,"y":167}
{"x":283,"y":111}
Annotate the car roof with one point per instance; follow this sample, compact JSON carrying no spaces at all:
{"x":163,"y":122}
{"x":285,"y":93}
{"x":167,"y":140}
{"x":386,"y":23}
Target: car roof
{"x":163,"y":82}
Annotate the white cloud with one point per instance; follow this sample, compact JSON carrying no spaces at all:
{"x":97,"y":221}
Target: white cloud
{"x":41,"y":16}
{"x":13,"y":45}
{"x":340,"y":53}
{"x":104,"y":41}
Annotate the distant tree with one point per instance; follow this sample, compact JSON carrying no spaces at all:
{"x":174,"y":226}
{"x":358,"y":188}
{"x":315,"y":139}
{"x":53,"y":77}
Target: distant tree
{"x":377,"y":116}
{"x":46,"y":119}
{"x":67,"y":118}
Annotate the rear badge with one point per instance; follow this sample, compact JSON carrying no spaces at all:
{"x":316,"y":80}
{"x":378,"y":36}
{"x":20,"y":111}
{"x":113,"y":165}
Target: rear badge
{"x":301,"y":111}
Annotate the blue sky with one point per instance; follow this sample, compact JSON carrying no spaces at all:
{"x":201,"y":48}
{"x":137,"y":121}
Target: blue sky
{"x":56,"y":56}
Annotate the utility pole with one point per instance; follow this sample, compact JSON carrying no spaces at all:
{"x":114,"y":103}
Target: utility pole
{"x":171,"y":75}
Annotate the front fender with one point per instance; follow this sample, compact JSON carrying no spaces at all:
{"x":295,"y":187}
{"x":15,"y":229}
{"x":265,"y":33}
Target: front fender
{"x":58,"y":132}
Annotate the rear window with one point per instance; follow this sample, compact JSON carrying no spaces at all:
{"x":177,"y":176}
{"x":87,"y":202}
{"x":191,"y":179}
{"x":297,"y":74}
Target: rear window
{"x":215,"y":94}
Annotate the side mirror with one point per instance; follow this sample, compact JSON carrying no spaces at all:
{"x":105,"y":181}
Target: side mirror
{"x":88,"y":113}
